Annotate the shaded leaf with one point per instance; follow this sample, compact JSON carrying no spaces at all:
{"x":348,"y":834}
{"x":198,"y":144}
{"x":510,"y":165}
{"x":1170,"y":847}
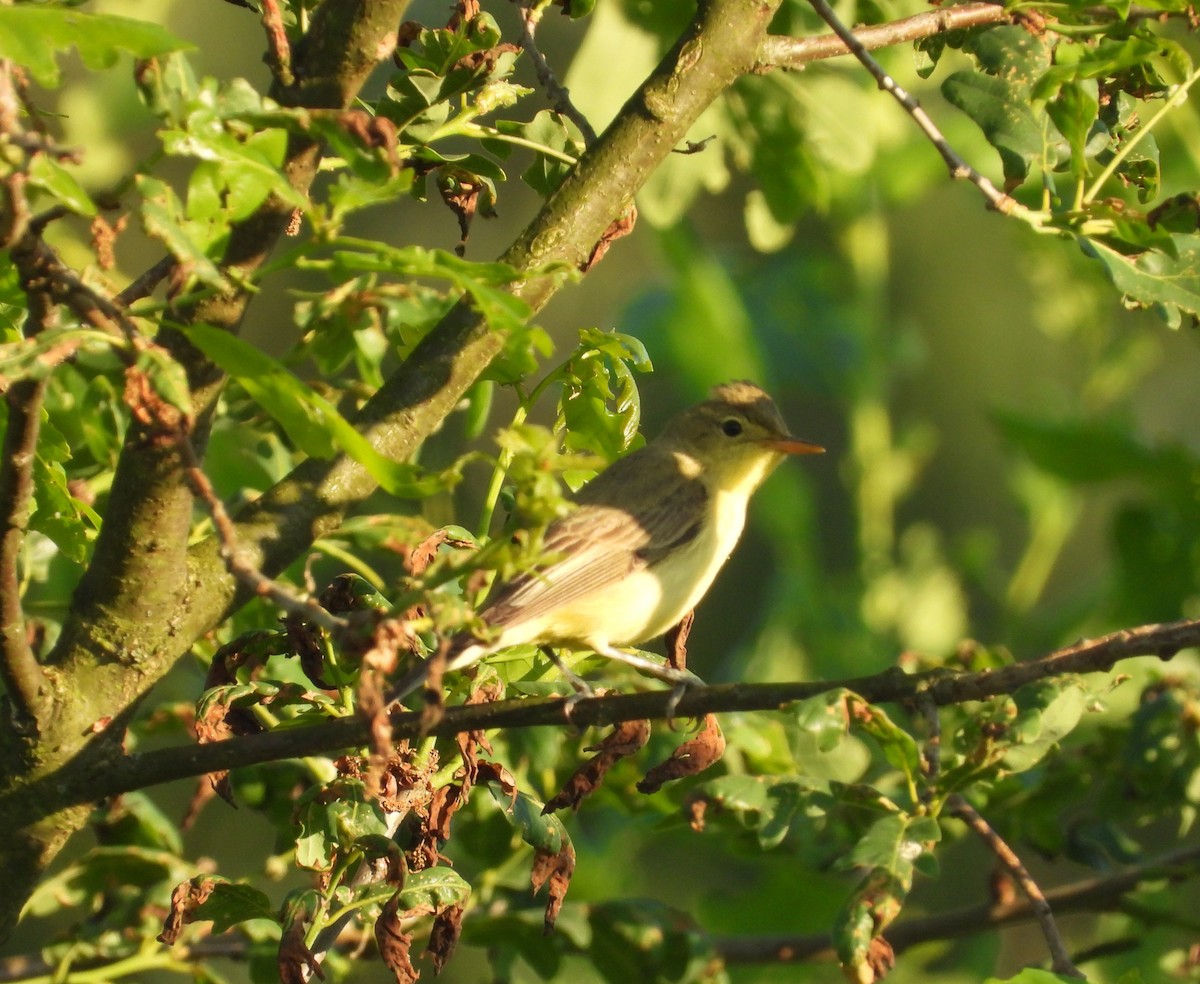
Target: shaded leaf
{"x":33,"y":36}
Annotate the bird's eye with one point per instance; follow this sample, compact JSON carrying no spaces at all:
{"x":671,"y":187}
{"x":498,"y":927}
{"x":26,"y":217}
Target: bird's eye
{"x":731,"y":427}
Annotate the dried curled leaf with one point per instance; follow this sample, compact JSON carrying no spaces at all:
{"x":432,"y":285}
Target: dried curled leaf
{"x":186,"y":898}
{"x":395,"y":944}
{"x":625,"y":739}
{"x":689,"y":759}
{"x":555,"y":871}
{"x":443,"y":937}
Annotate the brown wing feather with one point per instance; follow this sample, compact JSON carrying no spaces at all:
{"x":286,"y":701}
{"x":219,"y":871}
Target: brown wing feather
{"x":600,"y":542}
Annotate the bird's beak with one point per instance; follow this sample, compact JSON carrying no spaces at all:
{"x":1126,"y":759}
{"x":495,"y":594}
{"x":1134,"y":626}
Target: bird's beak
{"x":791,"y":445}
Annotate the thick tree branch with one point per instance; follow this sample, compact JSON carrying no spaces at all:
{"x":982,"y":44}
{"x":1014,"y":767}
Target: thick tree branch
{"x":1107,"y":894}
{"x":785,"y":52}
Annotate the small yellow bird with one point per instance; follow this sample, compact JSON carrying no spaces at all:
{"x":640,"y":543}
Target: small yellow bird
{"x":645,"y":539}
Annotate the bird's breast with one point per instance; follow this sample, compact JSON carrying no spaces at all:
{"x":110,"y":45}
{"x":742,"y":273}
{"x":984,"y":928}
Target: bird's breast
{"x":686,"y":573}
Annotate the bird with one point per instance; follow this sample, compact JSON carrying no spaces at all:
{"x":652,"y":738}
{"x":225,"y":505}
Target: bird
{"x":643,"y":540}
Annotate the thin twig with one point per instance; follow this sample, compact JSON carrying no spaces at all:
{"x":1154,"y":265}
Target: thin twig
{"x":144,"y":284}
{"x":787,"y":52}
{"x":959,"y":168}
{"x":246,"y":572}
{"x":279,"y":49}
{"x":931,"y":751}
{"x":556,"y":92}
{"x":1060,"y":959}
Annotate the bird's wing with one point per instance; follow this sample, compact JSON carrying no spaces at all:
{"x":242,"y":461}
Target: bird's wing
{"x":600,"y":542}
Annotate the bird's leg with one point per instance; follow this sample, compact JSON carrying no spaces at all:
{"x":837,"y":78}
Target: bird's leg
{"x":668,"y":674}
{"x":581,"y":687}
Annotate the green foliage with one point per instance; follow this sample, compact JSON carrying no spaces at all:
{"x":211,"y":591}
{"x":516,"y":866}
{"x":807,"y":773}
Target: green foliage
{"x":32,"y":35}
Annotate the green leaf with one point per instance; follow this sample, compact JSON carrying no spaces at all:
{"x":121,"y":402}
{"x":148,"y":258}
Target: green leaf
{"x":1007,"y":120}
{"x":769,"y":805}
{"x":434,"y":888}
{"x":1047,"y":712}
{"x":543,"y":832}
{"x":329,"y":826}
{"x":54,"y":179}
{"x":164,"y":218}
{"x":480,"y":281}
{"x":1153,"y":279}
{"x":1079,"y":451}
{"x":33,"y":36}
{"x":598,"y":374}
{"x":310,"y":420}
{"x":548,"y":129}
{"x":898,"y":746}
{"x":1074,"y":112}
{"x":230,"y":904}
{"x":825,"y":718}
{"x":894,"y":843}
{"x":37,"y":357}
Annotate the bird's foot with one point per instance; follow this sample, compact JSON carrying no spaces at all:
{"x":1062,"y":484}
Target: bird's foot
{"x":679,"y":689}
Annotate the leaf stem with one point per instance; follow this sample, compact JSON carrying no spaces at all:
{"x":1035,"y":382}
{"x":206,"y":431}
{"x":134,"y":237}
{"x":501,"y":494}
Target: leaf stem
{"x":488,"y":133}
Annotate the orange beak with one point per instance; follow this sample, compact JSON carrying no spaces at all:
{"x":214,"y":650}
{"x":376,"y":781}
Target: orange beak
{"x":791,"y":445}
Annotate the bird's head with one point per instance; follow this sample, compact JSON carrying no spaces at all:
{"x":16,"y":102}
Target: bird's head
{"x":737,"y":436}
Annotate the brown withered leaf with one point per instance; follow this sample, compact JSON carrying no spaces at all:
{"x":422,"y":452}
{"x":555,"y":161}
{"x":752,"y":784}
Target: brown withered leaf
{"x":446,"y":801}
{"x":294,"y":957}
{"x":307,"y":642}
{"x":555,"y":871}
{"x":464,"y":12}
{"x":692,"y":757}
{"x":621,"y":226}
{"x":494,"y":772}
{"x":881,"y":958}
{"x":395,"y":944}
{"x":408,"y":33}
{"x":165,"y":423}
{"x":185,"y":899}
{"x":484,"y":62}
{"x":423,"y":554}
{"x":206,"y":788}
{"x":465,"y":195}
{"x":377,"y":132}
{"x":104,"y":240}
{"x":625,"y":739}
{"x":378,"y":661}
{"x":676,"y":639}
{"x":470,"y":742}
{"x":443,"y":936}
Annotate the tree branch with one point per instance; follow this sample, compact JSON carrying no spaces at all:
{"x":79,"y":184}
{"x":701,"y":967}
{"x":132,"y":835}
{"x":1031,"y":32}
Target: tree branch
{"x":785,"y":52}
{"x":74,"y":785}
